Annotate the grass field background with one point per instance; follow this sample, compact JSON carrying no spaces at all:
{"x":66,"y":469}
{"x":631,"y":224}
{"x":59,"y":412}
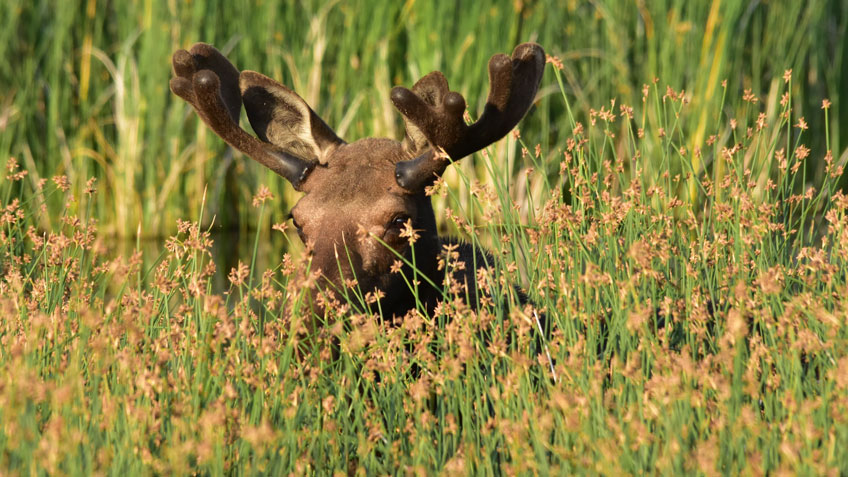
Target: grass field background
{"x":85,"y":87}
{"x":672,"y":204}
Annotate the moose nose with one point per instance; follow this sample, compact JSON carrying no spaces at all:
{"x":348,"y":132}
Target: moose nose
{"x":337,"y":260}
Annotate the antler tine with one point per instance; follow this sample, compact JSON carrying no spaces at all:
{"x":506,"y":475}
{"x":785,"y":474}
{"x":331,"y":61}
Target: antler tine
{"x":210,"y":83}
{"x":513,"y":83}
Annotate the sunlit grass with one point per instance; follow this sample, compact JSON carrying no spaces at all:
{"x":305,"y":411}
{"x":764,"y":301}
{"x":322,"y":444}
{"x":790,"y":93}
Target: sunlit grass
{"x":696,"y":312}
{"x":684,"y":239}
{"x":85,"y":84}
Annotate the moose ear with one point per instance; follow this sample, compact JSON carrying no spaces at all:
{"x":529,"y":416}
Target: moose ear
{"x":279,"y":116}
{"x":431,"y":89}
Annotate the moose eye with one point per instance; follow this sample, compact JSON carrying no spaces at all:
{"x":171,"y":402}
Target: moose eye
{"x":398,"y":222}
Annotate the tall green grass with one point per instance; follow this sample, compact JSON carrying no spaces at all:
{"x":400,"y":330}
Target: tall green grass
{"x":85,"y":84}
{"x":689,"y":250}
{"x":679,"y":341}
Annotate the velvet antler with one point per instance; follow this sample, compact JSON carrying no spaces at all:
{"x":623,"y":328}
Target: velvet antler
{"x":434,"y":113}
{"x":293,"y":138}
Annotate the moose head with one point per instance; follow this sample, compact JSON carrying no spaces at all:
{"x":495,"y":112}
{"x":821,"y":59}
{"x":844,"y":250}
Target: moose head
{"x":360,"y":197}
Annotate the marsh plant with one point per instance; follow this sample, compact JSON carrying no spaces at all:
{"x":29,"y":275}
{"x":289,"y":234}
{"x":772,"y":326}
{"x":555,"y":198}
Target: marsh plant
{"x":695,"y":294}
{"x":84,"y":89}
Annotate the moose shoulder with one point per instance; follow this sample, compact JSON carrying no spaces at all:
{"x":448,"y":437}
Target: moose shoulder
{"x":362,"y":200}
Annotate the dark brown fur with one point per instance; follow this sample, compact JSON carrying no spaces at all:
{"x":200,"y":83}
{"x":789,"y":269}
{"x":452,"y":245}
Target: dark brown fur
{"x":360,"y":197}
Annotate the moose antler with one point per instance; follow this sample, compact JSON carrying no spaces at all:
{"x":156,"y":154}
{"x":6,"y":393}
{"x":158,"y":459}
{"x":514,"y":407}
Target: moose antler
{"x":213,"y":87}
{"x":431,"y":110}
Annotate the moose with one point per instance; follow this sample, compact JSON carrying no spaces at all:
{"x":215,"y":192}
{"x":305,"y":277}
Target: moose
{"x":362,"y":199}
